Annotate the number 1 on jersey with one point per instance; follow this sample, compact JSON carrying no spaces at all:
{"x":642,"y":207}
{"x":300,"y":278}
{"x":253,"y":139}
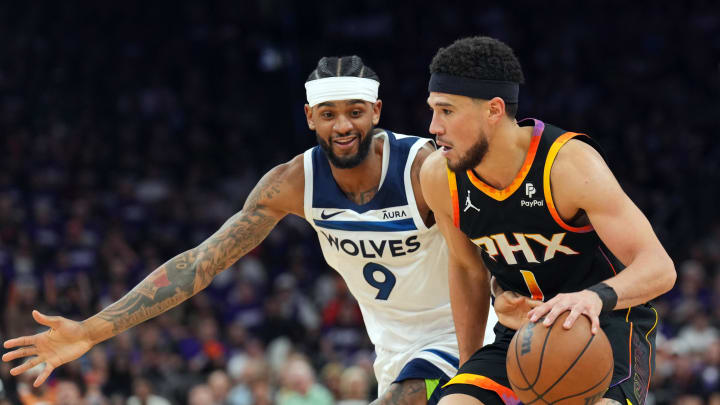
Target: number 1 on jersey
{"x":384,"y":286}
{"x":532,"y":285}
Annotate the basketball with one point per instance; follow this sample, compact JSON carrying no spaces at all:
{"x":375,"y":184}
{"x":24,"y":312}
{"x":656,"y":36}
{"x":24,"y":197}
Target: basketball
{"x":553,"y":365}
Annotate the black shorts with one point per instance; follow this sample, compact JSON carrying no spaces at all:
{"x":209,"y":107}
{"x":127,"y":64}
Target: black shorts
{"x":632,"y":336}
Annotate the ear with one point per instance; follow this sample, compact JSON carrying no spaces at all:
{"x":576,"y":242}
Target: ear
{"x":309,"y":117}
{"x":496,"y":109}
{"x":377,"y":107}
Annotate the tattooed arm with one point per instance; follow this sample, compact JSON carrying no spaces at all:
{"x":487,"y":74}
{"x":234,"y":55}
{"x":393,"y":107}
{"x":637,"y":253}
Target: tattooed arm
{"x":278,"y":193}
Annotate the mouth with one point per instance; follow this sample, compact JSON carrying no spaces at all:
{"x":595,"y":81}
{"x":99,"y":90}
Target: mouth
{"x":345,"y":142}
{"x":444,"y":148}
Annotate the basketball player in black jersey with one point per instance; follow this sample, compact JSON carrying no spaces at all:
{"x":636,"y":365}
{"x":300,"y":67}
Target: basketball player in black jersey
{"x":539,"y":208}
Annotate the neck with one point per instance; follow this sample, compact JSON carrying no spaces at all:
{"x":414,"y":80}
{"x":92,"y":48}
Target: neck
{"x":362,"y":180}
{"x":507,"y":150}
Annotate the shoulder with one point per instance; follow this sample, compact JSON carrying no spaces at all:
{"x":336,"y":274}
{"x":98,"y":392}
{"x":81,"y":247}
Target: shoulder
{"x":423,"y":153}
{"x":282,"y":187}
{"x":290,"y":173}
{"x":578,"y":160}
{"x":576,"y":154}
{"x":579,"y":174}
{"x":435,"y":185}
{"x":434,"y":169}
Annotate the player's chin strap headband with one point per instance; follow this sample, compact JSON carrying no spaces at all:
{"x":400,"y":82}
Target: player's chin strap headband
{"x":341,"y":88}
{"x":475,"y":88}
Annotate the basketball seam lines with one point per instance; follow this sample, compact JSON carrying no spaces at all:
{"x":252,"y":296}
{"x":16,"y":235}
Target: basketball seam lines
{"x":517,"y":359}
{"x":541,"y":396}
{"x":568,"y":369}
{"x":587,"y":390}
{"x":542,"y":355}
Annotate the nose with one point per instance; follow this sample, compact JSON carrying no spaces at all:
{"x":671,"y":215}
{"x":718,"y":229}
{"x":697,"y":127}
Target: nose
{"x":342,"y":124}
{"x":436,"y":128}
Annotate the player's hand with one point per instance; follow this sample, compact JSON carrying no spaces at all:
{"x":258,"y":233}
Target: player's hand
{"x":512,"y":308}
{"x":578,"y":303}
{"x":64,"y":342}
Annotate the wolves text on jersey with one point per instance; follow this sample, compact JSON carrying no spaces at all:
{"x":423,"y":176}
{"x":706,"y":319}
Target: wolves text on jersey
{"x":499,"y":244}
{"x":373,"y":248}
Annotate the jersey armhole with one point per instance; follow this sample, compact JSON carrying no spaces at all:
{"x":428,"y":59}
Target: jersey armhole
{"x":452,"y":183}
{"x":550,"y":160}
{"x":308,"y":195}
{"x":407,"y":178}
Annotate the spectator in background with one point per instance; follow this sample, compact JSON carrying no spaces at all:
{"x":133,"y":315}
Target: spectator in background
{"x":219,"y":384}
{"x":697,"y":337}
{"x":201,"y":395}
{"x":143,"y":394}
{"x":67,"y":392}
{"x":299,"y":386}
{"x":354,"y":387}
{"x":102,"y":105}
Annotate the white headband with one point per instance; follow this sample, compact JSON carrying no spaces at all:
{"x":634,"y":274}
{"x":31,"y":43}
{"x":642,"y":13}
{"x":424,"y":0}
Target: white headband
{"x":341,"y":88}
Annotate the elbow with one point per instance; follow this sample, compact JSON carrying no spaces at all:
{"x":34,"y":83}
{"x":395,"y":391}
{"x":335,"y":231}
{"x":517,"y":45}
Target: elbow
{"x":669,"y":275}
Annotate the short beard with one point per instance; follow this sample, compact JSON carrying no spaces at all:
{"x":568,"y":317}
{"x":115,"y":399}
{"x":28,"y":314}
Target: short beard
{"x":350,"y":161}
{"x":472,"y":157}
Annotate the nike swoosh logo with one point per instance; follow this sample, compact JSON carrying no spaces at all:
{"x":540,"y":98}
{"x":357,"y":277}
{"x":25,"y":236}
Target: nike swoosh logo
{"x":324,"y":216}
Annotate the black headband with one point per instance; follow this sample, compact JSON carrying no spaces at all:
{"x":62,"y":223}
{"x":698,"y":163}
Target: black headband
{"x":475,"y":88}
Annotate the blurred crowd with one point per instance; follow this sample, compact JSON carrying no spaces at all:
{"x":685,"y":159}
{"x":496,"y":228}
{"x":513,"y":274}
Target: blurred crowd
{"x":131,"y":130}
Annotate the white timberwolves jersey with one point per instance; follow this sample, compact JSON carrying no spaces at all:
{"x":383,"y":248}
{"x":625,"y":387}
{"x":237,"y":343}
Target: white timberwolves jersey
{"x":393,"y":264}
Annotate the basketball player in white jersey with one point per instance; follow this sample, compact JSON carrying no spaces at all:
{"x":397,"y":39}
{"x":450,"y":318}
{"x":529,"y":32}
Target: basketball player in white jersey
{"x":360,"y":191}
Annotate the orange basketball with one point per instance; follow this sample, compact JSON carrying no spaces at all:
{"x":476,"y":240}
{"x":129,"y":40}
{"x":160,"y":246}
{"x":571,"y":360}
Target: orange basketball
{"x":553,"y":365}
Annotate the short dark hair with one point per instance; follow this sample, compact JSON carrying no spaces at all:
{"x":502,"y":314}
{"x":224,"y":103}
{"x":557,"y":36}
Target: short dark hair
{"x":334,"y":66}
{"x":481,"y":58}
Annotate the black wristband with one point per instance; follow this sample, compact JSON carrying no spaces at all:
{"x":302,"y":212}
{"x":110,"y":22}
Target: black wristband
{"x":607,"y":295}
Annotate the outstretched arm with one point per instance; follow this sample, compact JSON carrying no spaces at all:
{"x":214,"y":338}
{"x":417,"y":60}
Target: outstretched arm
{"x":167,"y":286}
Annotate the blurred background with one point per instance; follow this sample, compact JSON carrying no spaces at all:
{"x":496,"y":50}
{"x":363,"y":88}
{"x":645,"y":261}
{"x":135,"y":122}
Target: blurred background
{"x":131,"y":130}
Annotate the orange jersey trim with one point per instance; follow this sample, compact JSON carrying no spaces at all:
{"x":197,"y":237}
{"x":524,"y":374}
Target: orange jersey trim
{"x":452,"y":182}
{"x":647,"y":388}
{"x":554,"y":149}
{"x":505,"y":393}
{"x":608,"y":260}
{"x":502,"y":195}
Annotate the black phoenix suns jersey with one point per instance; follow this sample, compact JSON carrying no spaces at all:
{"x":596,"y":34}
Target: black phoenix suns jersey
{"x":525,"y":243}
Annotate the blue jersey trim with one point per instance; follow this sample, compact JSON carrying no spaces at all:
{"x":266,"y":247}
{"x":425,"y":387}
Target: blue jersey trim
{"x":420,"y":369}
{"x":327,"y":194}
{"x":372,"y":226}
{"x":452,"y":360}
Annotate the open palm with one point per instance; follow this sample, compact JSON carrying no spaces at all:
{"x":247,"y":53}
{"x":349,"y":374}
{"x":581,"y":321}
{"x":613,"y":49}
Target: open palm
{"x":64,"y":342}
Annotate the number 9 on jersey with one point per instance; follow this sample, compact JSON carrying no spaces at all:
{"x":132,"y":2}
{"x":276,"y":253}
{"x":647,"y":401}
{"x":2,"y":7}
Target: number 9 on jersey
{"x":385,"y":283}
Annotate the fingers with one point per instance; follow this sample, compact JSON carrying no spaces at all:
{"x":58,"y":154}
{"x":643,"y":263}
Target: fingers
{"x":16,"y":354}
{"x":540,"y":311}
{"x":20,"y":341}
{"x":594,"y":324}
{"x":532,"y":303}
{"x":570,"y":320}
{"x":49,"y":321}
{"x":26,"y":366}
{"x":556,"y":310}
{"x":43,"y":376}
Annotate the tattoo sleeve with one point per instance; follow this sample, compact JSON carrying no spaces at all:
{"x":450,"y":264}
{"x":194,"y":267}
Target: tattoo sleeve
{"x":187,"y":273}
{"x":404,"y":393}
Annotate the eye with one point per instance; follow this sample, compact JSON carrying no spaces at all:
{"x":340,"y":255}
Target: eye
{"x":356,"y":113}
{"x":326,"y":114}
{"x":446,"y":111}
